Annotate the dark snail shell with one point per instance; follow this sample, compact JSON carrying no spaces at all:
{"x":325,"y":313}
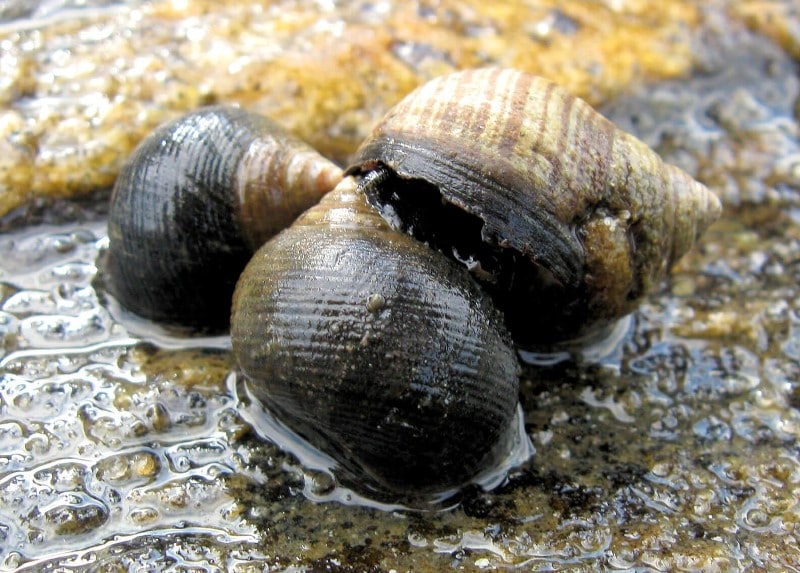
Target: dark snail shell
{"x":375,"y":348}
{"x":565,"y":219}
{"x":192,"y":204}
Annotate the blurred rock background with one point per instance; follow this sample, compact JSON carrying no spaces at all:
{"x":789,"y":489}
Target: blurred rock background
{"x":82,"y":82}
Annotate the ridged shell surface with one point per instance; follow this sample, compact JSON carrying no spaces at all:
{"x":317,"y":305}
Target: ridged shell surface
{"x":375,"y":348}
{"x":588,"y":217}
{"x":192,"y":204}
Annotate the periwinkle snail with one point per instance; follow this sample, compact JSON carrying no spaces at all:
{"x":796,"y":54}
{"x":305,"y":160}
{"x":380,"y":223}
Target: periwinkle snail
{"x":368,"y":337}
{"x":192,"y":204}
{"x":567,"y":221}
{"x":379,"y":350}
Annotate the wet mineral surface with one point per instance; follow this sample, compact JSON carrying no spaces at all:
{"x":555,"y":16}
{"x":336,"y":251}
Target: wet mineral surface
{"x":80,"y":87}
{"x":673,"y":447}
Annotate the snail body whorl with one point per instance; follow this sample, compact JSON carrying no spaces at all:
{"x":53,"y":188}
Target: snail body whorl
{"x":565,"y":219}
{"x":194,"y":201}
{"x":375,"y":348}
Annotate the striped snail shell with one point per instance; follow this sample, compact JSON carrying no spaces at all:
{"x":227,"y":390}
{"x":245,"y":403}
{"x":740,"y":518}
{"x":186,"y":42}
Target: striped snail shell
{"x":377,"y":349}
{"x":565,"y":219}
{"x":194,"y":201}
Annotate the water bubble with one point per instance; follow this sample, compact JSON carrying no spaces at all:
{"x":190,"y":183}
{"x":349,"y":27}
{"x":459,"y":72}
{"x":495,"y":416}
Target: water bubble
{"x":712,"y":429}
{"x":75,"y":513}
{"x":159,"y":417}
{"x":144,"y":516}
{"x":319,"y":484}
{"x":38,"y":443}
{"x":417,"y":539}
{"x":114,"y":469}
{"x":13,"y":560}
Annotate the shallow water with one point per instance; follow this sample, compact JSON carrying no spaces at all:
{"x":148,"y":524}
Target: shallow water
{"x":124,"y":446}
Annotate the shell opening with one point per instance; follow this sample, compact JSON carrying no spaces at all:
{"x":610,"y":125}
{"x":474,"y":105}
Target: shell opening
{"x":512,"y":278}
{"x":417,"y":208}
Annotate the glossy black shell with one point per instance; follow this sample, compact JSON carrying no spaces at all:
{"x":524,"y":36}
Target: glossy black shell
{"x":192,"y":204}
{"x":377,"y":349}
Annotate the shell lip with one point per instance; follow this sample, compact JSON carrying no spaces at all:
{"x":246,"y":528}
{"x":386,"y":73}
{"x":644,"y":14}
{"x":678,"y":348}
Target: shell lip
{"x":510,"y":221}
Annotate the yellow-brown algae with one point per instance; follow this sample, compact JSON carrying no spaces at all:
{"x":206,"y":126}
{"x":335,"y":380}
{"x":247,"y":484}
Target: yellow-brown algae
{"x":80,"y":92}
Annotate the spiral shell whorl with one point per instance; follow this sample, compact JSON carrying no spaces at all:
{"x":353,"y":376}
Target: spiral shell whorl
{"x":375,"y":348}
{"x":194,"y":201}
{"x":279,"y":177}
{"x":553,"y":183}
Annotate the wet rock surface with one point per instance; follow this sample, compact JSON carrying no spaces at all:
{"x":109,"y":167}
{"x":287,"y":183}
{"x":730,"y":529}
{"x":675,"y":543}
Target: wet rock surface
{"x":80,"y":87}
{"x":733,"y":125}
{"x":675,"y":447}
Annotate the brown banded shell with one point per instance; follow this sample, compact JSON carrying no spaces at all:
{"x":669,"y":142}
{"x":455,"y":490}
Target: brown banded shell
{"x":192,"y":204}
{"x":565,"y":219}
{"x":378,"y":350}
